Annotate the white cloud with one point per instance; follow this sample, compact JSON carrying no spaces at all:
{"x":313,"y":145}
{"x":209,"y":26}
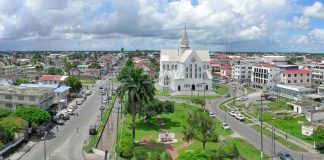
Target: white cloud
{"x":137,"y":23}
{"x":316,"y":10}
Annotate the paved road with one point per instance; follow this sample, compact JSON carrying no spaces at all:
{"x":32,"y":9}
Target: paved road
{"x":67,"y":143}
{"x":254,"y":137}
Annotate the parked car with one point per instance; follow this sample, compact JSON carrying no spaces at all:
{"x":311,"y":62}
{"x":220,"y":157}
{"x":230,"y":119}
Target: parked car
{"x":225,"y":126}
{"x":242,"y":99}
{"x":70,"y":111}
{"x":88,"y":92}
{"x":239,"y":117}
{"x":74,"y":107}
{"x":79,"y":101}
{"x":104,"y":101}
{"x":285,"y":156}
{"x":100,"y":87}
{"x":92,"y":130}
{"x":64,"y":117}
{"x":212,"y":115}
{"x":227,"y":95}
{"x":232,"y":113}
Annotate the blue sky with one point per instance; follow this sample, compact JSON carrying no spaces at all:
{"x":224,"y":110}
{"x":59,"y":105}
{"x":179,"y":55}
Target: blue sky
{"x":253,"y":25}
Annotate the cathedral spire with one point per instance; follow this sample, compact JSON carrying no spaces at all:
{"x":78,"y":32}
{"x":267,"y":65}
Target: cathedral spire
{"x":185,"y":39}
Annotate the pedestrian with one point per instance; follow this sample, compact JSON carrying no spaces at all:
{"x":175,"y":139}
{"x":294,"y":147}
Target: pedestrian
{"x":77,"y":129}
{"x":57,"y":128}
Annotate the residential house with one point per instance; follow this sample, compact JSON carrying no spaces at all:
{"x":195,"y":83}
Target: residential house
{"x":74,"y":72}
{"x":52,"y":79}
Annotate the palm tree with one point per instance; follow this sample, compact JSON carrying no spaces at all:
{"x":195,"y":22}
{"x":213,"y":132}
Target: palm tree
{"x":138,"y":88}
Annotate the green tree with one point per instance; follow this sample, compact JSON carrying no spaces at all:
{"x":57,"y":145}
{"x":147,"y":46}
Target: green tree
{"x":32,"y":114}
{"x":68,"y":66}
{"x":20,"y":81}
{"x":139,"y":90}
{"x":9,"y":126}
{"x":74,"y":83}
{"x":95,"y":65}
{"x":39,"y":69}
{"x":55,"y":71}
{"x":126,"y":70}
{"x":155,"y":108}
{"x":201,"y":127}
{"x":319,"y":137}
{"x":199,"y":101}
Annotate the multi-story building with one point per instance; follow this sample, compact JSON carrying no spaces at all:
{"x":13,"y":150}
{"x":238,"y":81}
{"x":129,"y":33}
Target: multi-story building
{"x":295,"y":77}
{"x":264,"y":76}
{"x":12,"y":96}
{"x":8,"y":70}
{"x":277,"y":60}
{"x":318,"y":74}
{"x":242,"y":73}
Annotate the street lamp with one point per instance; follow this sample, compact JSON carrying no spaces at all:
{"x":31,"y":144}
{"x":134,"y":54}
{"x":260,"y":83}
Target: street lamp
{"x":44,"y":138}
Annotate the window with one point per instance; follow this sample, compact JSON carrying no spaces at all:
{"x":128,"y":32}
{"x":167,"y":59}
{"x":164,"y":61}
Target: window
{"x":31,"y":98}
{"x":307,"y":80}
{"x":190,"y":71}
{"x":8,"y":97}
{"x":301,"y":81}
{"x":289,"y":75}
{"x":196,"y":70}
{"x":21,"y":98}
{"x":289,"y":81}
{"x":301,"y":75}
{"x":295,"y":75}
{"x":164,"y":66}
{"x":295,"y":81}
{"x":207,"y":66}
{"x":166,"y":80}
{"x":284,"y":75}
{"x":307,"y":74}
{"x":175,"y":67}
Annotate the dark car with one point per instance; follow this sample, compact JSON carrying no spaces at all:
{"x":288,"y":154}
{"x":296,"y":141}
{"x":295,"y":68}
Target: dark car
{"x":227,"y":95}
{"x":285,"y":156}
{"x":92,"y":130}
{"x":64,"y":117}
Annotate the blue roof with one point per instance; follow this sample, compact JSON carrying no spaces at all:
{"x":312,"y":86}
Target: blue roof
{"x":53,"y":86}
{"x":62,"y":89}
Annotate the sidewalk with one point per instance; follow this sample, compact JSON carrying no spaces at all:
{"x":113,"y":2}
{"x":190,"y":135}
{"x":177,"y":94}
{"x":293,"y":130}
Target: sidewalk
{"x":22,"y":150}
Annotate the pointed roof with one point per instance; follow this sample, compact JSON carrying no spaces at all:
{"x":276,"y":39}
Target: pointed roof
{"x":185,"y":39}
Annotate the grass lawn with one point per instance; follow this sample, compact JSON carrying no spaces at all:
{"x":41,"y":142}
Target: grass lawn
{"x":222,"y":105}
{"x":250,"y":90}
{"x":280,"y":139}
{"x":280,"y":104}
{"x":189,"y":97}
{"x":246,"y":150}
{"x":162,"y":92}
{"x":221,"y":89}
{"x":196,"y":145}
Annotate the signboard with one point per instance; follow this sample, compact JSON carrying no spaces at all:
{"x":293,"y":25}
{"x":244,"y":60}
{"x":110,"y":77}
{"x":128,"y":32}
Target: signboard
{"x":307,"y":130}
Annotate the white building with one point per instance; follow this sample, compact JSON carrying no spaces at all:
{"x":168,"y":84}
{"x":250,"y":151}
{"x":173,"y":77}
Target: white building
{"x":264,"y":76}
{"x":242,"y":73}
{"x":295,"y":77}
{"x":11,"y":96}
{"x":277,"y":60}
{"x":318,"y":74}
{"x":185,"y":69}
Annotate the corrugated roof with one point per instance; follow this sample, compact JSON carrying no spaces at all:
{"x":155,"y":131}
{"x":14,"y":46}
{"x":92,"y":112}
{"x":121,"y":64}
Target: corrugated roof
{"x":297,"y":71}
{"x":62,"y":89}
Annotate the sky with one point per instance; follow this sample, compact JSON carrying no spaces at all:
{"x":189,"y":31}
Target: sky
{"x":217,"y":25}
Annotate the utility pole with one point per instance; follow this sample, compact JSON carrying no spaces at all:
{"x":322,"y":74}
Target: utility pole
{"x":261,"y":120}
{"x":45,"y":133}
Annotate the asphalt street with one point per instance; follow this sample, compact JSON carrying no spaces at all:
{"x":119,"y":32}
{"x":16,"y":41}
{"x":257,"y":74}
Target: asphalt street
{"x":66,"y":144}
{"x":254,"y":137}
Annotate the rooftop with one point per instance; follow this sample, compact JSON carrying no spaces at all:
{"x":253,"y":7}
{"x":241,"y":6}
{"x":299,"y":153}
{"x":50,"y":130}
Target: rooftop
{"x":297,"y":71}
{"x":31,"y":85}
{"x":295,"y":88}
{"x":18,"y":90}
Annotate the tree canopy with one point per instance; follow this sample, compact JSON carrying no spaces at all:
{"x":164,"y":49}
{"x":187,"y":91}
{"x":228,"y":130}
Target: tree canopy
{"x":95,"y":65}
{"x":201,"y":127}
{"x":319,"y":137}
{"x":68,"y":66}
{"x":55,"y":71}
{"x":32,"y":114}
{"x":74,"y":83}
{"x":155,"y":108}
{"x":9,"y":126}
{"x":20,"y":81}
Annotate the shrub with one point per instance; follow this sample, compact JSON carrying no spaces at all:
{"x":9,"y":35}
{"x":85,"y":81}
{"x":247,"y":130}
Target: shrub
{"x":141,"y":154}
{"x":125,"y":149}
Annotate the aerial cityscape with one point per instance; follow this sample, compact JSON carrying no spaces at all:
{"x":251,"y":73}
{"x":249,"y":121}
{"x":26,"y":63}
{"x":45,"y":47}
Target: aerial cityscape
{"x":161,"y":80}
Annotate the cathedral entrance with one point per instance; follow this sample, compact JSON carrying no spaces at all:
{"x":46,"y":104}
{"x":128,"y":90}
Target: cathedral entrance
{"x":193,"y":87}
{"x":179,"y":88}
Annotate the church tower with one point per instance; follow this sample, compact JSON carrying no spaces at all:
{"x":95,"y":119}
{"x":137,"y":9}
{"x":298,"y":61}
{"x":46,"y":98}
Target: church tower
{"x":184,"y":41}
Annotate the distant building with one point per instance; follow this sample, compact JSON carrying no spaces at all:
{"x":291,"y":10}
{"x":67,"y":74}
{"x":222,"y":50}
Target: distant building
{"x":147,"y":69}
{"x":185,"y":69}
{"x":8,"y":70}
{"x":52,"y":79}
{"x":295,"y":77}
{"x":264,"y":76}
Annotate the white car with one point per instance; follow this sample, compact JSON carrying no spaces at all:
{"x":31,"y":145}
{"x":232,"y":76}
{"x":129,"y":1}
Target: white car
{"x":225,"y":126}
{"x":104,"y":101}
{"x":79,"y":102}
{"x":69,"y":111}
{"x":232,"y":113}
{"x":212,"y":115}
{"x":242,"y":99}
{"x":239,"y":117}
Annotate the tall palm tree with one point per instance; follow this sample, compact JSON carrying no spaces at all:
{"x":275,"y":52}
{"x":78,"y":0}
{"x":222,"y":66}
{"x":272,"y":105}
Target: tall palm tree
{"x":139,"y":90}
